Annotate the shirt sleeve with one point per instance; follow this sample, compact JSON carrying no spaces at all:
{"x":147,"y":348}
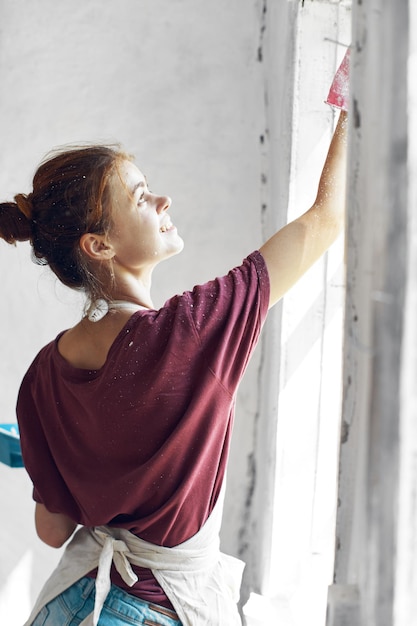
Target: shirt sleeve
{"x":37,"y":454}
{"x":228,"y":314}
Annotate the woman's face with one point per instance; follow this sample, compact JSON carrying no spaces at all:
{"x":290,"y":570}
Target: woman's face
{"x":142,"y":233}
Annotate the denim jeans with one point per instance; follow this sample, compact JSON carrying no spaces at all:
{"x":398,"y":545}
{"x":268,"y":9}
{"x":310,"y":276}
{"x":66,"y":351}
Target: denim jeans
{"x":120,"y":608}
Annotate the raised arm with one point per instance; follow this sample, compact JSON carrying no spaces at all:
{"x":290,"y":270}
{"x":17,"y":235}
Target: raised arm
{"x":296,"y":247}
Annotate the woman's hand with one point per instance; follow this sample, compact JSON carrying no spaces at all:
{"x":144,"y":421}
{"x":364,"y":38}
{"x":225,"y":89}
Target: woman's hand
{"x":53,"y":528}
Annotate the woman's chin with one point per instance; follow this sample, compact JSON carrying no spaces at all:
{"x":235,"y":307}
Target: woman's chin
{"x":180,"y":245}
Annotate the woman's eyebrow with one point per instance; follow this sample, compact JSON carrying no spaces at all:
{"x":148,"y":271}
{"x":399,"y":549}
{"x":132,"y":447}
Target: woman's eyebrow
{"x":142,"y":183}
{"x":137,"y":186}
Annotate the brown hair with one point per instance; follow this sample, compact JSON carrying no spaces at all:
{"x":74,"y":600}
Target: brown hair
{"x":71,"y":196}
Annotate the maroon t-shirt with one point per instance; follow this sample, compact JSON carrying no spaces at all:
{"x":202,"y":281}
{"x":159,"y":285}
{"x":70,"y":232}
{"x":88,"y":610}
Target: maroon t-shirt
{"x":142,"y":443}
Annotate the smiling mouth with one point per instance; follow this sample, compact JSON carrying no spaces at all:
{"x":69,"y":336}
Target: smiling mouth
{"x":165,"y":227}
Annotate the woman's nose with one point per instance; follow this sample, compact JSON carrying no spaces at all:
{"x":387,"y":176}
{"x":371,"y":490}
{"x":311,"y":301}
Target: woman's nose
{"x":164,"y":202}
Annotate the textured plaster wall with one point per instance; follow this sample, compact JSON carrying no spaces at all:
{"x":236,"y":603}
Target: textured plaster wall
{"x":292,"y":521}
{"x":405,"y":602}
{"x":178,"y":83}
{"x":375,"y":568}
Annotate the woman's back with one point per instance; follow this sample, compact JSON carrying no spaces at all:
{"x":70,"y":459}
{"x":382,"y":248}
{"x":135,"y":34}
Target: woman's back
{"x":86,"y":345}
{"x":142,"y":441}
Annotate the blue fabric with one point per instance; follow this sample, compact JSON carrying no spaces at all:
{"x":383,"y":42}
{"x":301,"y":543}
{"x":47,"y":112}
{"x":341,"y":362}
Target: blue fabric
{"x":120,"y":608}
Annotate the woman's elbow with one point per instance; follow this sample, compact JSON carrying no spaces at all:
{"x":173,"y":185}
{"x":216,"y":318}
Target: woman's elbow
{"x":54,"y":529}
{"x":52,"y":539}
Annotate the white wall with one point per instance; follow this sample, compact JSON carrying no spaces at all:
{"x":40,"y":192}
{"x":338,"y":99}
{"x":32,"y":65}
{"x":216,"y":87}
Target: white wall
{"x":178,"y":83}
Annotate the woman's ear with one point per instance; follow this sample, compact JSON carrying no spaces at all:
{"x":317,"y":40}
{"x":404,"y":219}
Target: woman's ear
{"x":96,"y":247}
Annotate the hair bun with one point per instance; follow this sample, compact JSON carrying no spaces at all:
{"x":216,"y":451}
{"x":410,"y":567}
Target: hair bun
{"x":24,"y":204}
{"x":14,"y":225}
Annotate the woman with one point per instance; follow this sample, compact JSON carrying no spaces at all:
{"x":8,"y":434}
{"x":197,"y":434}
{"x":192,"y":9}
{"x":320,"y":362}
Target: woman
{"x":126,"y":418}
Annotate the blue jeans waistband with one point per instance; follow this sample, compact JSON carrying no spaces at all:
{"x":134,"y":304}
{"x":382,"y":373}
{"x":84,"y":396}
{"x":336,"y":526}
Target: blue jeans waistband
{"x":119,"y":608}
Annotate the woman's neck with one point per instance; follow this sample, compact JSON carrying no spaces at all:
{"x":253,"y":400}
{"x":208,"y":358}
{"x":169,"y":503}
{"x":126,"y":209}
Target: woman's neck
{"x":128,"y":288}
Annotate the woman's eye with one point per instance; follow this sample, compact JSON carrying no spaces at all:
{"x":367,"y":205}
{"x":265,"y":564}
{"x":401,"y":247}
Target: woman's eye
{"x":141,"y":199}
